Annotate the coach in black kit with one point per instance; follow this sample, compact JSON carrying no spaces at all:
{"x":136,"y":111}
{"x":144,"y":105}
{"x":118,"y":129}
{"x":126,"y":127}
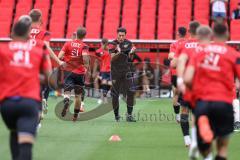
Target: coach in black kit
{"x":122,"y":74}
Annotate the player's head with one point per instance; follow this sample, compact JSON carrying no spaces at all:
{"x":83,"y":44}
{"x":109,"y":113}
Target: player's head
{"x":220,"y":31}
{"x":36,"y":16}
{"x":238,"y":5}
{"x":104,"y":43}
{"x":21,"y":29}
{"x":193,"y":26}
{"x":121,"y":34}
{"x":204,"y":33}
{"x":112,"y":47}
{"x":81,"y":32}
{"x":182,"y":31}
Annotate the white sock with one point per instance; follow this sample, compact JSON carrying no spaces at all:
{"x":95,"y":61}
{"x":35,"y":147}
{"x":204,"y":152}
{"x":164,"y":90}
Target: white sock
{"x":209,"y":157}
{"x":66,"y":96}
{"x":236,"y":110}
{"x":187,"y":140}
{"x":194,"y":135}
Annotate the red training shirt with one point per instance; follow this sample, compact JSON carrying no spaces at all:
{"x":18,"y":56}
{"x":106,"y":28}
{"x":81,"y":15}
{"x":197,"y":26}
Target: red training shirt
{"x":216,"y":66}
{"x":105,"y":58}
{"x":173,"y":48}
{"x":74,"y":56}
{"x":21,"y":63}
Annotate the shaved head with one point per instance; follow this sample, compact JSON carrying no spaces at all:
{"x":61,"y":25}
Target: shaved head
{"x":204,"y":33}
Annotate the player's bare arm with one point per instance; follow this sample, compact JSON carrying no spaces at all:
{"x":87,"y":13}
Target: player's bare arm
{"x":52,"y":54}
{"x":181,"y":63}
{"x":188,"y":76}
{"x":171,"y":55}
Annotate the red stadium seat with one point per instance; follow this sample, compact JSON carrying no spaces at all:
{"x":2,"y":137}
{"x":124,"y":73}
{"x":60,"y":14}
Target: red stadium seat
{"x":184,"y":12}
{"x":111,"y":18}
{"x":4,"y":29}
{"x":233,"y":5}
{"x":57,"y":29}
{"x":23,"y":7}
{"x":165,"y":29}
{"x":235,"y":27}
{"x":58,"y":18}
{"x":129,"y":17}
{"x":94,"y":18}
{"x":131,"y":26}
{"x":76,"y":16}
{"x":147,"y":19}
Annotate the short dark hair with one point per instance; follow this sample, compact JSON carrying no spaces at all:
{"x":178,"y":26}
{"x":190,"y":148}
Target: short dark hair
{"x":193,"y":27}
{"x":182,"y":31}
{"x":81,"y":32}
{"x":121,"y":29}
{"x":220,"y":30}
{"x":22,"y":26}
{"x":104,"y":41}
{"x":239,"y":3}
{"x":35,"y":14}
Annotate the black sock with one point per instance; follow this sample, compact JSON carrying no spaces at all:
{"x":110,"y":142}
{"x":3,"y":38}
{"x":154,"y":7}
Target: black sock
{"x":25,"y":151}
{"x":176,"y":109}
{"x":220,"y":158}
{"x":116,"y":111}
{"x":184,"y":122}
{"x":66,"y":102}
{"x":14,"y":145}
{"x":76,"y":112}
{"x":129,"y":110}
{"x":105,"y":89}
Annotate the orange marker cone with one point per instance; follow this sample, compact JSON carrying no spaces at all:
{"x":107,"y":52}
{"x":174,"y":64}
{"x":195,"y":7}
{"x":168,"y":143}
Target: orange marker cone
{"x":115,"y":138}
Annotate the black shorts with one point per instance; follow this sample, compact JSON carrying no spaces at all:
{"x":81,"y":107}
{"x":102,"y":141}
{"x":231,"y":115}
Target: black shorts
{"x":220,"y":115}
{"x":174,"y":80}
{"x":105,"y":76}
{"x":21,"y":114}
{"x":73,"y":81}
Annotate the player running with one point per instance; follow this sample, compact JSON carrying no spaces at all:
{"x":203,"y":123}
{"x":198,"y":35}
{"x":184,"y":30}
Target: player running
{"x":20,"y":99}
{"x":38,"y":33}
{"x":74,"y":53}
{"x":183,"y":54}
{"x":173,"y":48}
{"x":105,"y":68}
{"x":204,"y":36}
{"x":211,"y":75}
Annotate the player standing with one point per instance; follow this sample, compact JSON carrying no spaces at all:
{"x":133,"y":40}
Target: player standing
{"x":183,"y":55}
{"x":211,"y":73}
{"x":173,"y":48}
{"x":20,"y":99}
{"x":105,"y":68}
{"x":122,"y":74}
{"x":74,"y":53}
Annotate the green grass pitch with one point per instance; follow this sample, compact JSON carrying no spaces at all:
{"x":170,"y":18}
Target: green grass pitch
{"x":155,"y":136}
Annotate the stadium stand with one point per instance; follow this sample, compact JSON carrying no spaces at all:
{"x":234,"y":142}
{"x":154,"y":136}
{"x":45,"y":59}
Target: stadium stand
{"x":76,"y":16}
{"x":94,"y":18}
{"x":147,"y":19}
{"x":130,"y":17}
{"x":111,"y":18}
{"x":165,"y":19}
{"x":58,"y":18}
{"x":6,"y":7}
{"x":143,"y":19}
